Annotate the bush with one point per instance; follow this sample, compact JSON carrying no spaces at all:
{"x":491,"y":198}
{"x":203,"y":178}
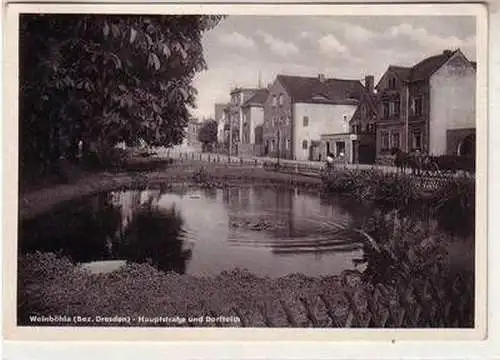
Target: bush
{"x":454,"y":163}
{"x":454,"y":206}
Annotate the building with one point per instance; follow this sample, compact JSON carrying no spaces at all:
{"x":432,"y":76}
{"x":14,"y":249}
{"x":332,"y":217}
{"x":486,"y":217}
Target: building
{"x":220,"y":118}
{"x":428,"y":107}
{"x":192,"y":132}
{"x":253,"y":119}
{"x":299,"y":110}
{"x":363,"y":125}
{"x":238,"y":97}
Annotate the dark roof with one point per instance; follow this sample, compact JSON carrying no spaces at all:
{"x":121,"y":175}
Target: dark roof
{"x":242,"y":89}
{"x":367,"y":98}
{"x":425,"y":68}
{"x":313,"y":90}
{"x":430,"y":65}
{"x":259,"y":98}
{"x":403,"y":73}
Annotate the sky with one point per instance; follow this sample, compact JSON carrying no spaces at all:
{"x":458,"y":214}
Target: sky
{"x":349,"y":47}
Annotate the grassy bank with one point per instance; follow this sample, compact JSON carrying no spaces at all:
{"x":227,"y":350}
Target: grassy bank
{"x":52,"y":285}
{"x":452,"y":201}
{"x":34,"y":203}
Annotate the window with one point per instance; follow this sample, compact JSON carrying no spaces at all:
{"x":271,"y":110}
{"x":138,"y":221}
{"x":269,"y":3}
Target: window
{"x":304,"y":144}
{"x":417,"y":106}
{"x":305,"y":121}
{"x":281,"y":119}
{"x":395,"y":140}
{"x":384,"y":140}
{"x":287,"y":144}
{"x":417,"y":140}
{"x":386,"y":110}
{"x":274,"y":100}
{"x":340,"y":148}
{"x":287,"y":120}
{"x":397,"y":107}
{"x":353,"y":129}
{"x":280,"y":100}
{"x":371,"y":127}
{"x":392,"y":83}
{"x":273,"y":144}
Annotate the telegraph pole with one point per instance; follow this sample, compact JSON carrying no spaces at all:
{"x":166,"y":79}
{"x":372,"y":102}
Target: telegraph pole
{"x":407,"y":135}
{"x":278,"y":147}
{"x":230,"y":136}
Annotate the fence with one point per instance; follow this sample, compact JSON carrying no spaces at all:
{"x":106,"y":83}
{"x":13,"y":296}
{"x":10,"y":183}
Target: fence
{"x":419,"y":305}
{"x":427,"y":181}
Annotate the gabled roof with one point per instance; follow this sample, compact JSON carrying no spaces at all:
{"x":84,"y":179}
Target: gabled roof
{"x":257,"y":99}
{"x":369,"y":99}
{"x":403,"y":73}
{"x":425,"y":68}
{"x":334,"y":91}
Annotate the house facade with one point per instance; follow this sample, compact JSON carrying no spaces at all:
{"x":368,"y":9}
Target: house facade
{"x":221,"y":120}
{"x":238,"y":97}
{"x":253,"y":119}
{"x":363,"y":125}
{"x":429,"y":107}
{"x":299,"y":109}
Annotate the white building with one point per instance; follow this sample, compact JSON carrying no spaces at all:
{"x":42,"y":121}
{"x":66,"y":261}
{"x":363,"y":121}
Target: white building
{"x":300,"y":109}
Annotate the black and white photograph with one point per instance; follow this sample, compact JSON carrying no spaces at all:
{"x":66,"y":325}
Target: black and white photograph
{"x":221,"y":170}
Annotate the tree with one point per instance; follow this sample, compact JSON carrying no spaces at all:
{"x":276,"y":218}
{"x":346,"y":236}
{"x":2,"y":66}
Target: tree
{"x":208,"y":133}
{"x":104,"y":79}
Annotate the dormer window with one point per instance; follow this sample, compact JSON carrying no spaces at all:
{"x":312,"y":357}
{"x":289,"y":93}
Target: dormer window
{"x":274,"y":101}
{"x":319,"y":97}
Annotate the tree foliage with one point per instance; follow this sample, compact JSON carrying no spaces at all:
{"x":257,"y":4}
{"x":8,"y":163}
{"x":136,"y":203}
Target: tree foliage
{"x":106,"y":78}
{"x":208,"y":132}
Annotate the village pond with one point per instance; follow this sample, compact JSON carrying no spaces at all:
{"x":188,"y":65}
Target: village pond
{"x":271,"y":231}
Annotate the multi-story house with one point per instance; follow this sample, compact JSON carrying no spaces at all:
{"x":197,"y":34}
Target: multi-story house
{"x":253,"y":120}
{"x":363,"y":125}
{"x":220,"y":119}
{"x":428,"y":107}
{"x":238,"y":97}
{"x":299,"y":109}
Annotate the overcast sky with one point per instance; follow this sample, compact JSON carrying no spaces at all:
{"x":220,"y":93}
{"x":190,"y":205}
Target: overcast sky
{"x":342,"y":47}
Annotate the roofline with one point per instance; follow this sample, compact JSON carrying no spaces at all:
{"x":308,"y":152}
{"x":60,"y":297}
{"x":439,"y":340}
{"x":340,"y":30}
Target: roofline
{"x":453,"y":53}
{"x":328,"y":102}
{"x":251,"y":104}
{"x":240,"y":89}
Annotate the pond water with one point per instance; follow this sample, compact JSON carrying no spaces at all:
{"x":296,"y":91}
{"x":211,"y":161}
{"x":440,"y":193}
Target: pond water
{"x":269,"y":231}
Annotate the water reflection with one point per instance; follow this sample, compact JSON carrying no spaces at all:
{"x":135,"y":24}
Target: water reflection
{"x":270,"y":231}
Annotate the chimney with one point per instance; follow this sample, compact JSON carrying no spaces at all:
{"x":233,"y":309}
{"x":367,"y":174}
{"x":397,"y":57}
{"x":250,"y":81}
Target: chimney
{"x":369,"y":83}
{"x":321,"y":77}
{"x":447,"y":52}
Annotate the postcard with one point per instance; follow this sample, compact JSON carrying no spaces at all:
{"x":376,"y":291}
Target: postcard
{"x":245,"y":172}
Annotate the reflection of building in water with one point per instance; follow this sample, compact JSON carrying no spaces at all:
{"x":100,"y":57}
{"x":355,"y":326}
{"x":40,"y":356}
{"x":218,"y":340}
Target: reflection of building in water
{"x":130,"y":202}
